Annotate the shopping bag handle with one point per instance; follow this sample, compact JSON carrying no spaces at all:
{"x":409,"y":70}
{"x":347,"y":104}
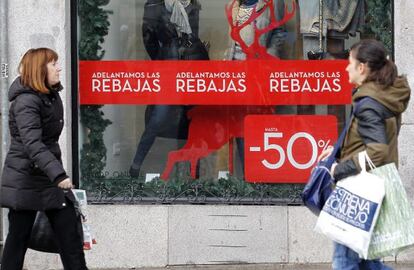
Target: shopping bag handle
{"x":363,"y":158}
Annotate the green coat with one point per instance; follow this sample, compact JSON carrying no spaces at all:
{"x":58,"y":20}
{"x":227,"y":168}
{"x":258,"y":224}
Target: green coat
{"x":375,"y":126}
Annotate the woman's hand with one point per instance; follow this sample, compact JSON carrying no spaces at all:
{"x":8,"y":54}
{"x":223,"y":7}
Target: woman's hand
{"x":325,"y":153}
{"x":66,"y":184}
{"x":332,"y":171}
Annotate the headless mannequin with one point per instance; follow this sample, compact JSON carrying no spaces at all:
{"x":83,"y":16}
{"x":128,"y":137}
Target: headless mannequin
{"x":168,"y":34}
{"x":273,"y":40}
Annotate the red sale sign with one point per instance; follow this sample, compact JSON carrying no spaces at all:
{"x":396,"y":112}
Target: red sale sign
{"x":284,"y":149}
{"x":253,"y":82}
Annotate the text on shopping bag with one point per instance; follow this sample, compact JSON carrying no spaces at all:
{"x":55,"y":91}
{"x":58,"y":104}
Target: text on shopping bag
{"x":351,"y":208}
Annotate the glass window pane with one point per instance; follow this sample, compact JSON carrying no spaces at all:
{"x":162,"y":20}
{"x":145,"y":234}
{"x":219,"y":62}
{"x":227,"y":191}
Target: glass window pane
{"x":135,"y":146}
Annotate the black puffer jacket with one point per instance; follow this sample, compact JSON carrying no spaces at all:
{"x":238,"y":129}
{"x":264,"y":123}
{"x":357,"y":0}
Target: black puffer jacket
{"x":161,"y":40}
{"x":33,"y":165}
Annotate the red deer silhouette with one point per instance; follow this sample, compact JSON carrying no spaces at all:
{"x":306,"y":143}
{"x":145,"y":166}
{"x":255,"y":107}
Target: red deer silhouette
{"x":255,"y":50}
{"x":211,"y":127}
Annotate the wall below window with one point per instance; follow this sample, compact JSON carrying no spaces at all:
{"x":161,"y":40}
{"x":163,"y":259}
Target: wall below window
{"x":156,"y":236}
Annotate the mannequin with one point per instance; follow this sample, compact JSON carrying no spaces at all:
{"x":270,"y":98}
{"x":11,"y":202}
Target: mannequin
{"x":341,"y":19}
{"x":270,"y":43}
{"x":272,"y":40}
{"x":170,"y":32}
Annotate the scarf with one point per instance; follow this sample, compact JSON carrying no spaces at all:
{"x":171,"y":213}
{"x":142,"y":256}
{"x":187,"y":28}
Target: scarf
{"x":179,"y":16}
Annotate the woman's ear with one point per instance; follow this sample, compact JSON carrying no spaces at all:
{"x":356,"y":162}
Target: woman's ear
{"x":363,"y":68}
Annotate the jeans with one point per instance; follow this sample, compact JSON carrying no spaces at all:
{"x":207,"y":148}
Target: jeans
{"x":345,"y":258}
{"x":159,"y":116}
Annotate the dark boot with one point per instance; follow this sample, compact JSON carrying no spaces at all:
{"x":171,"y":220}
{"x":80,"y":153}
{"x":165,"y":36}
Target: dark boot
{"x":134,"y":171}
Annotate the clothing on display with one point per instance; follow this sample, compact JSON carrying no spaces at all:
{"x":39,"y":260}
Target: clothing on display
{"x":170,"y":32}
{"x":272,"y":40}
{"x":342,"y":17}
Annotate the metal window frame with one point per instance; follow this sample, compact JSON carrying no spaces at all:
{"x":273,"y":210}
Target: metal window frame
{"x":75,"y":88}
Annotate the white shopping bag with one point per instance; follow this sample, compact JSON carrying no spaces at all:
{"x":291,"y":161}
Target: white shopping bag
{"x":350,"y":213}
{"x":88,"y":237}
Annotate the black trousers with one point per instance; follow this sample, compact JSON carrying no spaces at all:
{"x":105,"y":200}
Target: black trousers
{"x":64,"y":223}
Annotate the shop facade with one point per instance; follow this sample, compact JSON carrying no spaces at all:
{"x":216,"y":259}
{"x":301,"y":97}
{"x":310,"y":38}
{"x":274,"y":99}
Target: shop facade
{"x":193,"y":147}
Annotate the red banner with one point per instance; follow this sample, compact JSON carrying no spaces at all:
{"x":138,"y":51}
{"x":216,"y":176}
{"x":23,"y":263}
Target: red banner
{"x":253,"y":82}
{"x":284,"y":149}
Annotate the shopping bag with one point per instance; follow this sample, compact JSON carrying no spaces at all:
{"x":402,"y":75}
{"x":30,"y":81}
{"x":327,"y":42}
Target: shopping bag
{"x":42,"y":237}
{"x":318,"y":188}
{"x":350,"y":213}
{"x":82,"y":202}
{"x":394,"y":230}
{"x":320,"y":183}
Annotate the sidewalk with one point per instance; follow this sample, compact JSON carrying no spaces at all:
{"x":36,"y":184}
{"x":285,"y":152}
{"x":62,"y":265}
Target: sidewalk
{"x":399,"y":266}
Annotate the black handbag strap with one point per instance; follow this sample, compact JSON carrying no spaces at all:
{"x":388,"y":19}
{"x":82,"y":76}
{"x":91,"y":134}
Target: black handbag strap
{"x":341,"y":138}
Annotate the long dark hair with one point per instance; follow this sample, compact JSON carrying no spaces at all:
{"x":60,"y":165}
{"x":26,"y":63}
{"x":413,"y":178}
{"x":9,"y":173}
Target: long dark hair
{"x":373,"y":53}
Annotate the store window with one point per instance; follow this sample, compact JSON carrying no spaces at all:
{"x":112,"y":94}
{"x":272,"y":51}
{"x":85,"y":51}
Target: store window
{"x":213,"y":101}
